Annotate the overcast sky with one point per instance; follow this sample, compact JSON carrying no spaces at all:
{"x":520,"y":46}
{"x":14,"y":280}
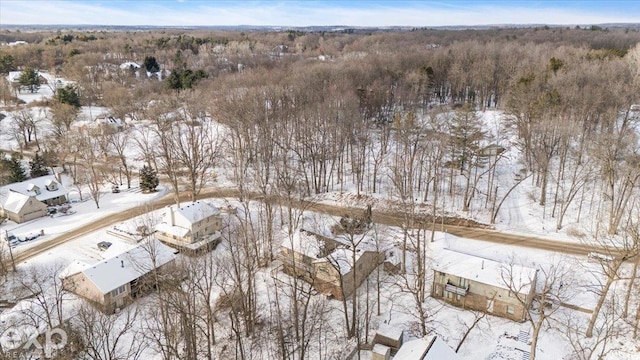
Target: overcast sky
{"x":307,"y":13}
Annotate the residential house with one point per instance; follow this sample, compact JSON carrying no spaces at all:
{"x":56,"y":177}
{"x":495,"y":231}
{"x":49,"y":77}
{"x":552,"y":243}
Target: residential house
{"x":330,"y":264}
{"x":193,"y":227}
{"x":118,"y":280}
{"x":21,"y":208}
{"x":427,"y":348}
{"x":476,"y":283}
{"x":17,"y":199}
{"x":108,"y":124}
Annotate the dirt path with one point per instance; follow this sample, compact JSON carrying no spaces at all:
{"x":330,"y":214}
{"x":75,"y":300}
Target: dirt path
{"x":381,"y":217}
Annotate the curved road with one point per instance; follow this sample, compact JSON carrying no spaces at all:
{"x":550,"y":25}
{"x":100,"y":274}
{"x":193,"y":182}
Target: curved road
{"x":381,"y":217}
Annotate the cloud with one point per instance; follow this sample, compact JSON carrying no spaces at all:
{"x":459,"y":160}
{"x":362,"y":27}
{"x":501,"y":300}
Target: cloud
{"x":193,"y":13}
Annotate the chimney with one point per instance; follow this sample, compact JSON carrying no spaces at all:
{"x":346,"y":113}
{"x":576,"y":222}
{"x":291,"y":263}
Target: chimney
{"x":121,"y":263}
{"x":171,"y":217}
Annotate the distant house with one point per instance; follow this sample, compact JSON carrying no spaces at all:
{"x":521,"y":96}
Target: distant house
{"x":328,"y":262}
{"x":100,"y":125}
{"x":129,"y":66}
{"x":192,"y":227}
{"x":492,"y":150}
{"x":472,"y":282}
{"x":109,"y":124}
{"x":16,"y":200}
{"x":115,"y":282}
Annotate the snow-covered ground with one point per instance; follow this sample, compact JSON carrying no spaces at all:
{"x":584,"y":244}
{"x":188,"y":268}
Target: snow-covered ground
{"x":81,"y":213}
{"x":520,"y":214}
{"x":494,"y":338}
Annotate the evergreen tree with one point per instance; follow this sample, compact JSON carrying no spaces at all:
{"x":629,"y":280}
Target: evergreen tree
{"x":151,"y":64}
{"x":15,"y":171}
{"x":148,"y":179}
{"x":7,"y":64}
{"x":68,"y":95}
{"x":38,"y":166}
{"x":30,"y":79}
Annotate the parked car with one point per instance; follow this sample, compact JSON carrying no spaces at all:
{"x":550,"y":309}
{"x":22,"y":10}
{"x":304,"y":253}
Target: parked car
{"x":104,"y":245}
{"x":115,"y":189}
{"x":599,"y":257}
{"x":9,"y":238}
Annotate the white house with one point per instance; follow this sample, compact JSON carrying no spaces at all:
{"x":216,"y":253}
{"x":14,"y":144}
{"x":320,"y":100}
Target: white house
{"x":116,"y":281}
{"x":18,"y":201}
{"x":46,"y":189}
{"x":192,"y":227}
{"x":20,"y":208}
{"x":129,"y":65}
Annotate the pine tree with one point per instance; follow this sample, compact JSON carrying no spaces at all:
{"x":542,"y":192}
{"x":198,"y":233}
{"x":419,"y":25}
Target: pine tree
{"x":151,"y":64}
{"x":31,"y":79}
{"x":16,"y":172}
{"x":68,"y":95}
{"x":148,"y":179}
{"x":38,"y":166}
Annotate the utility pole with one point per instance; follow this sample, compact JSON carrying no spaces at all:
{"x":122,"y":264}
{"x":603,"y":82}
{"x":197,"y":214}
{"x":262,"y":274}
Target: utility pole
{"x":6,"y":237}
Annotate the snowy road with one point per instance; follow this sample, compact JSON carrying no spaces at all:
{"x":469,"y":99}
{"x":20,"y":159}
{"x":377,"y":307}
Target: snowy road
{"x":382,"y":217}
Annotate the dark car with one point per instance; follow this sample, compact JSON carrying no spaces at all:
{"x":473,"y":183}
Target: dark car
{"x":104,"y":245}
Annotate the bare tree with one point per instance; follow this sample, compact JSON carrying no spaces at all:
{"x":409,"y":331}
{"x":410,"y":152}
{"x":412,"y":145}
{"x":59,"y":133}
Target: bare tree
{"x":609,"y":327}
{"x":610,"y":254}
{"x":109,"y":337}
{"x":119,"y":142}
{"x":478,"y":316}
{"x":48,"y":296}
{"x":552,"y":287}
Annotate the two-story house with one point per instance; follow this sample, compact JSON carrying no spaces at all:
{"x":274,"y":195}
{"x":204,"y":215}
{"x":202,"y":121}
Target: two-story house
{"x":476,"y":283}
{"x":330,"y":264}
{"x":27,"y":200}
{"x":192,"y":227}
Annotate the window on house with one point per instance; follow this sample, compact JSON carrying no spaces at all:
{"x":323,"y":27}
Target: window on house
{"x":118,"y":291}
{"x":458,"y":297}
{"x":510,"y":309}
{"x":447,"y":294}
{"x":463,"y":282}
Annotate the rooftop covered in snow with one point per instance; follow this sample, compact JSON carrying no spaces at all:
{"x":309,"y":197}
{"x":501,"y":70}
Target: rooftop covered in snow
{"x":119,"y":270}
{"x":483,"y":270}
{"x":43,"y":188}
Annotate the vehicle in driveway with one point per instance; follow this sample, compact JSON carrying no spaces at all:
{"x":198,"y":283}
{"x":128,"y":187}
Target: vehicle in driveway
{"x":104,"y":245}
